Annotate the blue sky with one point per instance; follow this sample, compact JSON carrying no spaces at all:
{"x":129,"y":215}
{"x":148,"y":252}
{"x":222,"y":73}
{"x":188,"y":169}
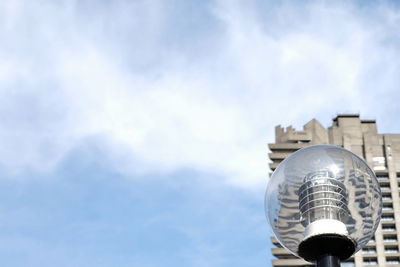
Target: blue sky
{"x":133,"y":133}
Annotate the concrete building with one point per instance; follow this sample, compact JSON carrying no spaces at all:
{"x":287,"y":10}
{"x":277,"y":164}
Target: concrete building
{"x":382,"y":153}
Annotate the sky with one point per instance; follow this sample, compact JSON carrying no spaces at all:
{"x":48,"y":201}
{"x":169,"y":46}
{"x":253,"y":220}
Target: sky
{"x":134,"y":133}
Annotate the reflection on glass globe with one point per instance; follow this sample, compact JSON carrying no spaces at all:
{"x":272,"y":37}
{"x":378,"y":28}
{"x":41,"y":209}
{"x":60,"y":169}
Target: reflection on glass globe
{"x":322,"y":192}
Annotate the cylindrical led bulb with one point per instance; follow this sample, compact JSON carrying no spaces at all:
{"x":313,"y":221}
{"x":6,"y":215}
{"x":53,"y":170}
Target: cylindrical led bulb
{"x":323,"y":201}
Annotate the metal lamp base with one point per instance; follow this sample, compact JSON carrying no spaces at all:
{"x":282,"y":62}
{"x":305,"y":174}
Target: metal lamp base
{"x":334,"y":245}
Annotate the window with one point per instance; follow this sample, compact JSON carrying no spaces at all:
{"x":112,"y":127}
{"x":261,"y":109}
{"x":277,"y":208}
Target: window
{"x":393,"y":260}
{"x":369,"y":251}
{"x":382,"y":177}
{"x":391,"y":249}
{"x":384,"y":186}
{"x":386,"y":196}
{"x":388,"y":228}
{"x":390,"y":238}
{"x":387,"y":217}
{"x":387,"y":206}
{"x":370,"y":261}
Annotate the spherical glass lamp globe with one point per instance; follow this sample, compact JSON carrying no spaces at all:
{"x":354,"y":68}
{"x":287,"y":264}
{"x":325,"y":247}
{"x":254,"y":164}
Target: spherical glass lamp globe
{"x":323,"y":199}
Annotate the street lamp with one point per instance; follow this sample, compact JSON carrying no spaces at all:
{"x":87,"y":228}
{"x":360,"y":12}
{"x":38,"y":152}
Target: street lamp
{"x":324,"y":204}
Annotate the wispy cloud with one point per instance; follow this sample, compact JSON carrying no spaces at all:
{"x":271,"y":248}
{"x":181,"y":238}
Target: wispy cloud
{"x":183,"y":85}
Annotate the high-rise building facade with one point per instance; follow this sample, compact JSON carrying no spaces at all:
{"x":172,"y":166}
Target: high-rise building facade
{"x":381,"y":152}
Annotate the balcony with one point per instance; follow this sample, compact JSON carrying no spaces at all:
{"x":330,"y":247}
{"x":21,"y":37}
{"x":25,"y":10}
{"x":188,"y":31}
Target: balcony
{"x":279,"y":155}
{"x":274,"y":165}
{"x":383,"y":178}
{"x":282,"y":253}
{"x":275,"y":241}
{"x":290,"y":262}
{"x":287,"y":147}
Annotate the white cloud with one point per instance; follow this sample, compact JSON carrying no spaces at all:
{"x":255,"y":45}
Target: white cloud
{"x":210,"y":108}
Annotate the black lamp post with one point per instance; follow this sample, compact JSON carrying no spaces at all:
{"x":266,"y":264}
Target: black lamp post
{"x":324,"y":204}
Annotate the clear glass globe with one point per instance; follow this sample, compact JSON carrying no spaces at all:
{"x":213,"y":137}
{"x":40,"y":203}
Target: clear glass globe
{"x":323,"y":190}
